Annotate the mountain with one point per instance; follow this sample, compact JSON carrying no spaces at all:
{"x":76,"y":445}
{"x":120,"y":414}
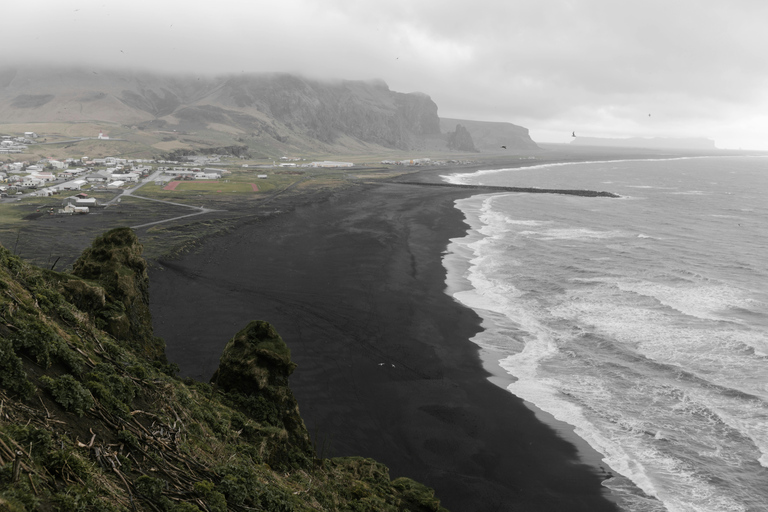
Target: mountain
{"x":93,"y":418}
{"x":649,"y":143}
{"x":271,"y":113}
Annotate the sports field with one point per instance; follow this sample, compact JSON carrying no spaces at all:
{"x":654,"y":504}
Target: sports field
{"x":229,"y":187}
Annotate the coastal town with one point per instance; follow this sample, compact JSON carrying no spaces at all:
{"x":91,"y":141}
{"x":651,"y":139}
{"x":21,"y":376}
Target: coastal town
{"x":75,"y":179}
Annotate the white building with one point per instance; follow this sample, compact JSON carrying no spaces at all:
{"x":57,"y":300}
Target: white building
{"x":44,"y":176}
{"x":29,"y":181}
{"x":130,"y":176}
{"x":70,"y":209}
{"x":331,"y":164}
{"x":72,"y":185}
{"x":85,"y":201}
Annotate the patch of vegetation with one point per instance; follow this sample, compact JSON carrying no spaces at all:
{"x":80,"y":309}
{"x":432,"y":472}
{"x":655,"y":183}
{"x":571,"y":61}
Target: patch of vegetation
{"x":68,"y":393}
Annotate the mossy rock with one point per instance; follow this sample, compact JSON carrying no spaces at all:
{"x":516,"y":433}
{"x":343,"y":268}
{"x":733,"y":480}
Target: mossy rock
{"x":114,"y":263}
{"x":254,"y":369}
{"x":255,"y":358}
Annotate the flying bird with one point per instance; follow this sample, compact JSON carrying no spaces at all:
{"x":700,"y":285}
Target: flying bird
{"x":503,"y":147}
{"x":573,"y":134}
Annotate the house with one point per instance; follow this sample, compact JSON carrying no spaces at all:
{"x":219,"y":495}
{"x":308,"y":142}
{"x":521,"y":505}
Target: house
{"x":70,"y":209}
{"x":44,"y":176}
{"x":116,"y":184}
{"x":130,"y":176}
{"x":262,"y":176}
{"x":45,"y":192}
{"x":29,"y":181}
{"x":91,"y":201}
{"x":99,"y":177}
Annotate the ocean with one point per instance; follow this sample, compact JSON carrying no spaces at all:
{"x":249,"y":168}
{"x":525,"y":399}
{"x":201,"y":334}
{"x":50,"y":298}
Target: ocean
{"x":640,"y":321}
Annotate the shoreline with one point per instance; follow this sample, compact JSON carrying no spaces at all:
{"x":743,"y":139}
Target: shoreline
{"x":356,"y":287}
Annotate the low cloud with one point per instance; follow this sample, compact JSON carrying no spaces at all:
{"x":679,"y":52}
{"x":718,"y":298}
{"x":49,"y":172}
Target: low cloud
{"x":595,"y":64}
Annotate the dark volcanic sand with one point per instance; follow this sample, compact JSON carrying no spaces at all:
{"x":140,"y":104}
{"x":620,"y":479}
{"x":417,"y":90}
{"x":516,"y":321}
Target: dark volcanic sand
{"x":355,"y":285}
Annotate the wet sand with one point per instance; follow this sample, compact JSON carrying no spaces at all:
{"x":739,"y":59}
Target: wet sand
{"x":356,"y":287}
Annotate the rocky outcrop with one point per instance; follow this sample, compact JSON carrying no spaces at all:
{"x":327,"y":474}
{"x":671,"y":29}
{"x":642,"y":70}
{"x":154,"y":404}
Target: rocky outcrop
{"x":256,"y":364}
{"x":113,"y":286}
{"x":461,"y":140}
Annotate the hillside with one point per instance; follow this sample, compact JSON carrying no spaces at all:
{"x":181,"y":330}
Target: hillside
{"x":271,"y":113}
{"x":92,"y":417}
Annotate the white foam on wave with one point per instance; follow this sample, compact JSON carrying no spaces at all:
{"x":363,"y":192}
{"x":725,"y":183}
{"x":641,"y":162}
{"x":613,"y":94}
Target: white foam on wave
{"x":465,"y":178}
{"x":627,"y":431}
{"x":545,"y":394}
{"x":709,"y":302}
{"x":573,"y":234}
{"x":690,"y":193}
{"x":717,"y":354}
{"x":714,"y":350}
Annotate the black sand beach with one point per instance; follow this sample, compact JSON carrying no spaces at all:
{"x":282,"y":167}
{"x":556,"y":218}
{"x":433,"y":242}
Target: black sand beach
{"x":355,"y":286}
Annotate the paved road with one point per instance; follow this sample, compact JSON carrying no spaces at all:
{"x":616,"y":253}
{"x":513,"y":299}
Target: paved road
{"x":130,"y":192}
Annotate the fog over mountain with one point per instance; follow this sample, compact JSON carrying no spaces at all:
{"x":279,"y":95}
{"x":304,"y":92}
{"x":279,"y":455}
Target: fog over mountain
{"x":287,"y":111}
{"x":598,"y":67}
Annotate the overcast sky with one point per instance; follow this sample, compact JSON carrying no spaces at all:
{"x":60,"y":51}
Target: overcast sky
{"x":596,"y":67}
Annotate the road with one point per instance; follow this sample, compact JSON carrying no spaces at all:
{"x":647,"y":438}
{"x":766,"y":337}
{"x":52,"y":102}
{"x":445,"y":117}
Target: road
{"x":152,"y":177}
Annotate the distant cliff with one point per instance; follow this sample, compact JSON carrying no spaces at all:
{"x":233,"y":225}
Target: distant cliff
{"x":649,"y":143}
{"x":491,"y":136}
{"x":93,"y":418}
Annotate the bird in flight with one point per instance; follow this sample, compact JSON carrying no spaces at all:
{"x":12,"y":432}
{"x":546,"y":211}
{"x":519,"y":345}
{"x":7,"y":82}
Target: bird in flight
{"x":503,"y":147}
{"x":573,"y":134}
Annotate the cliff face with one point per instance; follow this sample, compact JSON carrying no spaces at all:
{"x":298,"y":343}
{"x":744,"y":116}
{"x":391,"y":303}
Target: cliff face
{"x":288,"y":108}
{"x":368,"y":111}
{"x":491,"y":136}
{"x":93,"y":419}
